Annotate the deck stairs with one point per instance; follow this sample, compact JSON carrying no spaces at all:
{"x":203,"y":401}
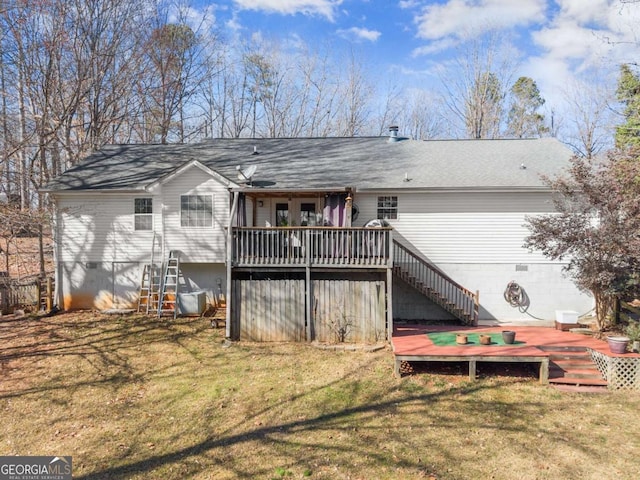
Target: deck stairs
{"x":572,"y":369}
{"x":434,"y":284}
{"x":168,"y":303}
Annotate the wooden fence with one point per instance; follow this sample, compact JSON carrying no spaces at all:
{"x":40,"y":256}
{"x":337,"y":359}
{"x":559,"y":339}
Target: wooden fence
{"x":350,"y":311}
{"x":36,"y":293}
{"x":269,"y":310}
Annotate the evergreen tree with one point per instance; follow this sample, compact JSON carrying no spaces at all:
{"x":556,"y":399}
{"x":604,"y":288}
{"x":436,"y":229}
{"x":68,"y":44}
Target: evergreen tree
{"x":524,"y":119}
{"x":628,"y":93}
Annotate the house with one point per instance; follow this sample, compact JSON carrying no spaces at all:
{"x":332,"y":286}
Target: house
{"x":282,"y":228}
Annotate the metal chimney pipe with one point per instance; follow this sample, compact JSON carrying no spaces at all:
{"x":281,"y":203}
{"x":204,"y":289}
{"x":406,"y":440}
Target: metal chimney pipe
{"x":393,"y":133}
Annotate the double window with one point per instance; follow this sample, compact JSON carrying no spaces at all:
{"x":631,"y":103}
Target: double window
{"x":196,"y":210}
{"x":143,"y":213}
{"x":388,"y":208}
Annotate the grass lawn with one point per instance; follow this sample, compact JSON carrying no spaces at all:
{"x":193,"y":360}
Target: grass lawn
{"x":141,"y":398}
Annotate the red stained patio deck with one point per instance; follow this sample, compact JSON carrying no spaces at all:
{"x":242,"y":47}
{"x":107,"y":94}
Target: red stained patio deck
{"x":411,"y":344}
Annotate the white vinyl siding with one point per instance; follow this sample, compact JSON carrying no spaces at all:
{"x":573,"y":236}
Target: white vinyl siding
{"x":472,"y":227}
{"x":196,"y":244}
{"x":100,"y":228}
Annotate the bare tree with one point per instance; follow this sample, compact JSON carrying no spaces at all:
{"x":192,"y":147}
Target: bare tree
{"x":475,"y":86}
{"x":423,"y":116}
{"x":179,"y":61}
{"x":317,"y":94}
{"x":588,"y":127}
{"x":356,"y":94}
{"x":107,"y":57}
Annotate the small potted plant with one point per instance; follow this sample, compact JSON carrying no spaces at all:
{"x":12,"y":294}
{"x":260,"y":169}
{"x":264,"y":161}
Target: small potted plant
{"x":508,"y":336}
{"x":633,"y":332}
{"x":618,"y":343}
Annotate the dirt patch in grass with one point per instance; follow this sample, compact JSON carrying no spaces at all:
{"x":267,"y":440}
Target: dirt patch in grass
{"x":136,"y":397}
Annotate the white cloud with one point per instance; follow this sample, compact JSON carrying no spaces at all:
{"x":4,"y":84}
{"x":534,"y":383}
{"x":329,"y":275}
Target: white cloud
{"x":593,"y":11}
{"x":200,"y":20}
{"x":458,"y":17}
{"x":356,"y":33}
{"x":325,"y":8}
{"x":591,"y":34}
{"x":408,"y":3}
{"x":551,"y":76}
{"x":585,"y":40}
{"x":567,"y":39}
{"x":434,"y":47}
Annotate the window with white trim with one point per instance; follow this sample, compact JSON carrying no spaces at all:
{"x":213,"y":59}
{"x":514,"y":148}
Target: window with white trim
{"x":143,"y":213}
{"x":196,"y":210}
{"x":387,"y":208}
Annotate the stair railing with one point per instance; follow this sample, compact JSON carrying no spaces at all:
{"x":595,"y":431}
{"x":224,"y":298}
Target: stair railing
{"x":436,"y":285}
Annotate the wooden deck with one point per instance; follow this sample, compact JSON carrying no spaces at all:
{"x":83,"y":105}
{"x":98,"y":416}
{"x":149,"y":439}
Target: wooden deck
{"x":411,"y":344}
{"x":316,"y":247}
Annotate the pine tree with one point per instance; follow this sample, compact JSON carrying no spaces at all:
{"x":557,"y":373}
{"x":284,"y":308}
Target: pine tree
{"x":524,"y":119}
{"x":628,"y":93}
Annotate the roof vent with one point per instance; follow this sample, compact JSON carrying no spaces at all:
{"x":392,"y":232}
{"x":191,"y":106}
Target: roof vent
{"x":393,"y":133}
{"x":255,"y":150}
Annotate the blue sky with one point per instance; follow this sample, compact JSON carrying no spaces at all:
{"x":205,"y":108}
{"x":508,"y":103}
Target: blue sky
{"x":558,"y":42}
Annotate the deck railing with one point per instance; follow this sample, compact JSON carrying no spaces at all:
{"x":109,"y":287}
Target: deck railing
{"x":312,"y":246}
{"x":436,"y":285}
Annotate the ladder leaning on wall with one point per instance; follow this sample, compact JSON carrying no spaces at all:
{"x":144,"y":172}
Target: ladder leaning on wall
{"x":149,"y":294}
{"x":170,"y":282}
{"x":149,"y":289}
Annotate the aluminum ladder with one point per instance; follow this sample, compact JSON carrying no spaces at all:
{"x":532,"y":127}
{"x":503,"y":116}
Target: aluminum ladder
{"x":149,"y":289}
{"x":168,"y":301}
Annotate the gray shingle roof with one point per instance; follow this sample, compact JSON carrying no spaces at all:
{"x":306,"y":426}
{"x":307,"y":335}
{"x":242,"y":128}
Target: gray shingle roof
{"x":299,"y":163}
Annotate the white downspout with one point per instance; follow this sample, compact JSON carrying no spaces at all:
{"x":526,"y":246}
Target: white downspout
{"x":57,"y":258}
{"x":232,"y":218}
{"x":162,"y":229}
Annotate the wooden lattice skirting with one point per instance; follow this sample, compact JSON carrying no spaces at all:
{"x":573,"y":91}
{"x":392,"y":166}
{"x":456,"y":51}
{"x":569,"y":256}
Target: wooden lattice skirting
{"x":619,"y":372}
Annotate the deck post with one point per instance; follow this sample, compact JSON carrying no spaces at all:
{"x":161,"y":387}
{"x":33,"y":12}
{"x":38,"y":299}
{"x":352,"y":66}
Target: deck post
{"x":232,"y":218}
{"x":390,"y":288}
{"x":308,"y":285}
{"x":472,"y":369}
{"x":544,"y":370}
{"x":49,"y":295}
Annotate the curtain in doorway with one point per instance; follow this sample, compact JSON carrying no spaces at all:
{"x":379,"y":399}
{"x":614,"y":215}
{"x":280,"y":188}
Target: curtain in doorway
{"x":334,"y":213}
{"x":241,"y":215}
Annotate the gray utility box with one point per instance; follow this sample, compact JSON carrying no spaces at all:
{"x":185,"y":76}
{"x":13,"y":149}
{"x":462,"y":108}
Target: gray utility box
{"x":192,"y":303}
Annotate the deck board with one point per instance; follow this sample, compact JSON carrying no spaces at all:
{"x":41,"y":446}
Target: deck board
{"x":410,"y":343}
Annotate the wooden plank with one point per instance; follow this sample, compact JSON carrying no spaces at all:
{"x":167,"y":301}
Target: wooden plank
{"x":473,"y":359}
{"x":271,"y":310}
